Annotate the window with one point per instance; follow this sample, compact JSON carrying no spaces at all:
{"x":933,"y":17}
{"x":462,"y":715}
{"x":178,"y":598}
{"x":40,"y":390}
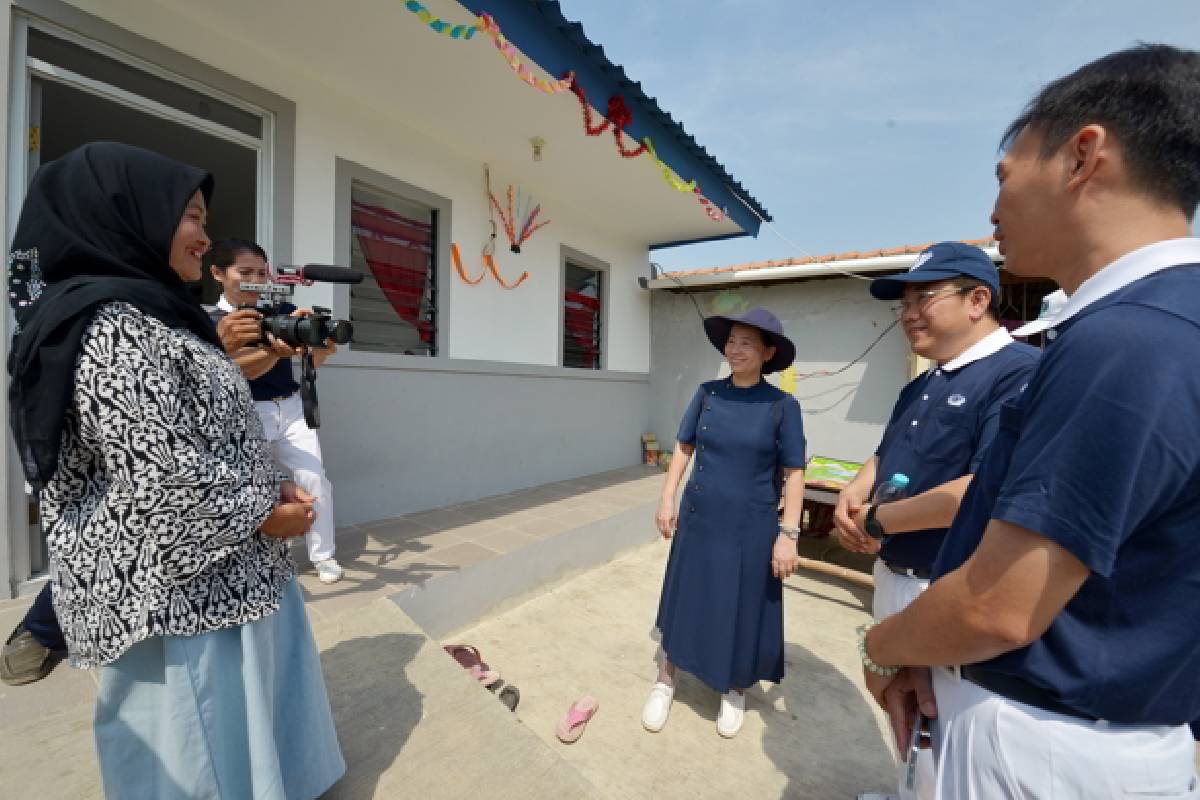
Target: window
{"x":394,"y":243}
{"x":583,"y":316}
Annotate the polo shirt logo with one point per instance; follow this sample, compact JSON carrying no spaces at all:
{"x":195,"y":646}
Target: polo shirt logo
{"x":955,"y":400}
{"x":921,"y":259}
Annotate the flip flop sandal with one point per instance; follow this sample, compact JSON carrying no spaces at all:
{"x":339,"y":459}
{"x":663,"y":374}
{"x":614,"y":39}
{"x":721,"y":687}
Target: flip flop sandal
{"x":466,"y":655}
{"x":571,"y":726}
{"x":486,"y":677}
{"x":510,"y":696}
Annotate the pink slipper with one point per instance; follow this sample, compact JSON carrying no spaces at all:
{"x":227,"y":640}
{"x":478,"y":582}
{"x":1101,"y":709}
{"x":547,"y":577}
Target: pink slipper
{"x":571,"y":726}
{"x":486,"y":677}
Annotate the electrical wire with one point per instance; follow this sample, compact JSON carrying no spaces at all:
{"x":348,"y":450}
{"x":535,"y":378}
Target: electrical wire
{"x":763,"y":220}
{"x":799,"y":376}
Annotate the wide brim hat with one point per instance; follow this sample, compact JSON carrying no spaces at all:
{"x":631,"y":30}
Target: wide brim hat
{"x":718,"y":327}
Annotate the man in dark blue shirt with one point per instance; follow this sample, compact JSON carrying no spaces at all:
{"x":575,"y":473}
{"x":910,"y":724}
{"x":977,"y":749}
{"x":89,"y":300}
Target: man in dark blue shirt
{"x":1061,"y":624}
{"x":942,"y":423}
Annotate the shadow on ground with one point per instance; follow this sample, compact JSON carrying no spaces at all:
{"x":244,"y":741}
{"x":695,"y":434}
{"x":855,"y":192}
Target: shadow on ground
{"x":375,"y":707}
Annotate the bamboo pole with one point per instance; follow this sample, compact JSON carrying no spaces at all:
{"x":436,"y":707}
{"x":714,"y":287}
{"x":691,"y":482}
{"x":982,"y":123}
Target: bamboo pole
{"x":825,"y":568}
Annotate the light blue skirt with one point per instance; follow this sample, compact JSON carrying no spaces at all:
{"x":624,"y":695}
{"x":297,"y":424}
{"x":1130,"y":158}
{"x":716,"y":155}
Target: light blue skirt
{"x":231,"y":714}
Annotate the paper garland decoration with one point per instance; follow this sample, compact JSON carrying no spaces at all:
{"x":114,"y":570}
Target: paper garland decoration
{"x":489,"y":265}
{"x":619,"y":117}
{"x":489,"y":26}
{"x":518,"y":235}
{"x":676,"y":183}
{"x":453,"y":31}
{"x":673,"y":180}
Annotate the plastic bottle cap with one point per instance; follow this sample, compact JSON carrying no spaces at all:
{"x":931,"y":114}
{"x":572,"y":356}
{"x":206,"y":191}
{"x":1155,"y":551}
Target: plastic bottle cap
{"x":900,"y":479}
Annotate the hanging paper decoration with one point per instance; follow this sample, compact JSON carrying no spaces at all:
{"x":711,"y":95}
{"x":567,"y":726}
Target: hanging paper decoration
{"x":519,"y":223}
{"x":453,"y":31}
{"x":710,"y":208}
{"x":492,"y":29}
{"x":489,"y":265}
{"x":619,"y":117}
{"x":673,"y":180}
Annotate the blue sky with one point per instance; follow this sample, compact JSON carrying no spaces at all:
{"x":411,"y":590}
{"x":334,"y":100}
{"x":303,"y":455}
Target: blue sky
{"x":860,"y":124}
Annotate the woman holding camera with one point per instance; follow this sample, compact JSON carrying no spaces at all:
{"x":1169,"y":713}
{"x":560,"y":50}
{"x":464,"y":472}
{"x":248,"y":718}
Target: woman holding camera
{"x":268,"y":366}
{"x":165,"y":517}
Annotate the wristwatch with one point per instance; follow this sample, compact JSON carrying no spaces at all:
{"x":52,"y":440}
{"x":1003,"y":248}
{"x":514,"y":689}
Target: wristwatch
{"x":872,"y":525}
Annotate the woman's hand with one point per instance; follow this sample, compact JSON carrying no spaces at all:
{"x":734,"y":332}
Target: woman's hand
{"x":666,"y":518}
{"x":292,"y":516}
{"x":784,"y":557}
{"x":238,"y":329}
{"x":288,"y":520}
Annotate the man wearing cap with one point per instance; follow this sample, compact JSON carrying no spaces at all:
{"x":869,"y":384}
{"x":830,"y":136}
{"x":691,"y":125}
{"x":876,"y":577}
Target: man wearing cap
{"x":940,"y":427}
{"x":1061,"y":623}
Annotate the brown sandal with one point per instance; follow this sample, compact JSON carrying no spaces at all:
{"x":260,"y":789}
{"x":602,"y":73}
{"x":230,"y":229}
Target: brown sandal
{"x":466,"y":656}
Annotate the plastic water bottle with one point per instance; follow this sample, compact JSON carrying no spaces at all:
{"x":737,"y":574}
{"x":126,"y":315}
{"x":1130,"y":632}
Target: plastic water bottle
{"x":893,"y":488}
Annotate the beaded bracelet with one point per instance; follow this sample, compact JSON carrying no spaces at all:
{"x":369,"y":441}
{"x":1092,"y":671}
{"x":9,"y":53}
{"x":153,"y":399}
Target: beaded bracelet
{"x":871,"y":666}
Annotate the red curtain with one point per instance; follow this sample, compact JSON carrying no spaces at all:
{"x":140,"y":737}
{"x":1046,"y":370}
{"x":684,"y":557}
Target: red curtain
{"x":399,"y":252}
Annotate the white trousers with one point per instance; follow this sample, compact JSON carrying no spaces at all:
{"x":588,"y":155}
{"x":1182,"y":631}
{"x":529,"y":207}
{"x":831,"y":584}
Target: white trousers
{"x":298,"y":452}
{"x":991,"y":747}
{"x":893,"y":593}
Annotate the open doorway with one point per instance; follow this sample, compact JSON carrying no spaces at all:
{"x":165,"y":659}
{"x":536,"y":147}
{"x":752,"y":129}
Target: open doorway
{"x":75,"y":92}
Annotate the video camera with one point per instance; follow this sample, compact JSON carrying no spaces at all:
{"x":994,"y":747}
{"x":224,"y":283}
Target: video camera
{"x":308,"y":331}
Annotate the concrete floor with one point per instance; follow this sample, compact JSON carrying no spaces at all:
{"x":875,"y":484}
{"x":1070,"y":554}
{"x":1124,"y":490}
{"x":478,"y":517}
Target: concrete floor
{"x":815,"y":736}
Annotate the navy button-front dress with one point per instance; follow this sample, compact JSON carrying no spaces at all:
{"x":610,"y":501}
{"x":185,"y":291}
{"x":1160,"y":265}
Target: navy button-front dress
{"x":721,"y":612}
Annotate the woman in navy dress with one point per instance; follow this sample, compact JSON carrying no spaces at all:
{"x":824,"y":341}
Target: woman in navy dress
{"x":721,"y":611}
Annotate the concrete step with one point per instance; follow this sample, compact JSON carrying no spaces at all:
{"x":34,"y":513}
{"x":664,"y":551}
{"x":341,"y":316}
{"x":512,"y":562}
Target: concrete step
{"x":413,"y":724}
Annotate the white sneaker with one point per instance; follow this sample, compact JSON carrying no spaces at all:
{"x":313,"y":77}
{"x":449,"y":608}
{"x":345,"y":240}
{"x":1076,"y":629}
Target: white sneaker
{"x":329,"y":571}
{"x":658,"y":707}
{"x":733,"y":713}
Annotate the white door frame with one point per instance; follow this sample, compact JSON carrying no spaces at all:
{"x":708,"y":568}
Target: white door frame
{"x":15,"y":556}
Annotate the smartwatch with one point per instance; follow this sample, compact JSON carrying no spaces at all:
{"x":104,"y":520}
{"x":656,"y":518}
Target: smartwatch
{"x":872,"y":525}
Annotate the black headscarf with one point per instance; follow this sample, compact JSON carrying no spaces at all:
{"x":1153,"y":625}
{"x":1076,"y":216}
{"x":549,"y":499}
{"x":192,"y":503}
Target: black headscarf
{"x":96,"y":227}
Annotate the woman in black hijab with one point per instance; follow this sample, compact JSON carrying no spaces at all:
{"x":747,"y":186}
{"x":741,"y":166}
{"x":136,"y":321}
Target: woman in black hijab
{"x":165,"y":517}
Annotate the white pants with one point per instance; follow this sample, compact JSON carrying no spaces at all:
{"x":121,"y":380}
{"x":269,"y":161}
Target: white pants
{"x":991,"y":747}
{"x":893,"y":593}
{"x":298,"y":451}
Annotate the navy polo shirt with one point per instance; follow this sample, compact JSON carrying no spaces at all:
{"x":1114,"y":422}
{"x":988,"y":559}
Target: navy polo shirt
{"x":1101,"y":454}
{"x":279,"y":380}
{"x":943,"y":422}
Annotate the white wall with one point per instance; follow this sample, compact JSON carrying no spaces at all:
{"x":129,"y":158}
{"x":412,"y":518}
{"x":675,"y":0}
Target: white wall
{"x":485,"y":321}
{"x":401,"y":433}
{"x":831,"y":323}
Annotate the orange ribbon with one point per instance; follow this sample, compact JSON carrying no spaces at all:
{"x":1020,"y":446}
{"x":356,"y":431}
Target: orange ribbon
{"x":489,"y":264}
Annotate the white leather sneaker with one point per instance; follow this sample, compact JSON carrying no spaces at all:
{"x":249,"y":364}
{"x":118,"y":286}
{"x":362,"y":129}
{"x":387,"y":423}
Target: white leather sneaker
{"x":658,"y":707}
{"x":329,"y":571}
{"x":733,"y":713}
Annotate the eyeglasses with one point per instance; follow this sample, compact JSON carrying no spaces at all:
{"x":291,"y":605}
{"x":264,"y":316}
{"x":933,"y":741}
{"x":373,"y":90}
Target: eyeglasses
{"x":921,"y":300}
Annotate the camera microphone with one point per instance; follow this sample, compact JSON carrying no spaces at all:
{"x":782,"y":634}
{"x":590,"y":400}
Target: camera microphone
{"x":322,"y":273}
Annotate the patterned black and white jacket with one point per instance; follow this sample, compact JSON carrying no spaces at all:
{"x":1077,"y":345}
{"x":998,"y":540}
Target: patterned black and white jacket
{"x":163,"y":480}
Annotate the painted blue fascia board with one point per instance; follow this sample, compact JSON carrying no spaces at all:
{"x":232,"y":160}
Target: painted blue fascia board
{"x":539,"y":30}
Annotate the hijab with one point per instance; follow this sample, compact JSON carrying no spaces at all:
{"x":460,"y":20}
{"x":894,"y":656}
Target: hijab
{"x":96,"y":228}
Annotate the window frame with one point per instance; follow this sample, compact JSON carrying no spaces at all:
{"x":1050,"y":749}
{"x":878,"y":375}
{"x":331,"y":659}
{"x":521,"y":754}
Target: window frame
{"x":346,"y":174}
{"x":572,"y":256}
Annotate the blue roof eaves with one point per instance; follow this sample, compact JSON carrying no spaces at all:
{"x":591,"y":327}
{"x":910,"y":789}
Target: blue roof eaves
{"x":525,"y":22}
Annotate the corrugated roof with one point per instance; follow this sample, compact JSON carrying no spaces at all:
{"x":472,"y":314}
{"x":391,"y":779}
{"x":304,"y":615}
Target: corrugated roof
{"x":635,"y":98}
{"x":911,"y":249}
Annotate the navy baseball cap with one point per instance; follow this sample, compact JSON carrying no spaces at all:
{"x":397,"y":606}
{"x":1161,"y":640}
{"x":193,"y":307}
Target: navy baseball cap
{"x":940,"y":262}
